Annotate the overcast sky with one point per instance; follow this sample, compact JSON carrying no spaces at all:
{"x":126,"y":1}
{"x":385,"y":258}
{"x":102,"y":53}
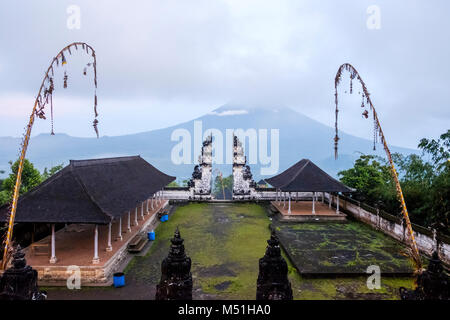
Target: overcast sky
{"x":164,"y":62}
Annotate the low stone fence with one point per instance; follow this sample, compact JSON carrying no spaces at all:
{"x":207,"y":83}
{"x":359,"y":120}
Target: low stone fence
{"x":395,"y":227}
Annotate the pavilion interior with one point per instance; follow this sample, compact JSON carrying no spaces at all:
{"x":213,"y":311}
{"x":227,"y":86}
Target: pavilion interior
{"x":74,"y":244}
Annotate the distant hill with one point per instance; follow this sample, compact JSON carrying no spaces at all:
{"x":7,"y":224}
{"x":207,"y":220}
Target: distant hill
{"x":300,"y":137}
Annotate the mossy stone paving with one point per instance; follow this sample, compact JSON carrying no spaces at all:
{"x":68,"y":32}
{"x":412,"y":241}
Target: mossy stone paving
{"x":225,"y":242}
{"x":342,"y":249}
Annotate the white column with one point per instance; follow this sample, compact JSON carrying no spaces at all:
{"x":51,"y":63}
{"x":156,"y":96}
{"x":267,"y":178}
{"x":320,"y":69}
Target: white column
{"x":142,"y":211}
{"x":151,"y":203}
{"x":314,"y":203}
{"x":119,"y":236}
{"x":289,"y":208}
{"x":279,"y":196}
{"x":129,"y":222}
{"x":109,"y":247}
{"x":276,"y":195}
{"x":330,"y":199}
{"x":96,"y":258}
{"x":337,"y":203}
{"x":53,"y":258}
{"x":136,"y":223}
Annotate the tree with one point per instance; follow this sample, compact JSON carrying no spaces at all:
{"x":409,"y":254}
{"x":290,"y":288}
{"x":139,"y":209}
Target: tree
{"x":227,"y":186}
{"x":425,"y":185}
{"x":48,"y":173}
{"x":438,"y":149}
{"x":30,"y":179}
{"x":173,"y":184}
{"x":372,"y":180}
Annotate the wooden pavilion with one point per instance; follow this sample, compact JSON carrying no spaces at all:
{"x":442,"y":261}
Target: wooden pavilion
{"x":307,"y":180}
{"x":86,"y":197}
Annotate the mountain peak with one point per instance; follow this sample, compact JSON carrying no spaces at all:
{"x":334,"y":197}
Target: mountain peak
{"x":239,"y":109}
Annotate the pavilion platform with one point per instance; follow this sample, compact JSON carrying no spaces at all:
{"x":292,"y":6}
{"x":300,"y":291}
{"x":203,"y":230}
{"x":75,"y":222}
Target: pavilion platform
{"x":301,"y":211}
{"x":75,"y":248}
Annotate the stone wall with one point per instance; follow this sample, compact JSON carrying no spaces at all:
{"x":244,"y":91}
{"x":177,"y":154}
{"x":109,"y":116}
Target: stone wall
{"x":393,"y":226}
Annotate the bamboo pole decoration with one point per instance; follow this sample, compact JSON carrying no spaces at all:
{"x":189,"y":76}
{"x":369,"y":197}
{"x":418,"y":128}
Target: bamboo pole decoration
{"x":43,"y":98}
{"x":378,"y":132}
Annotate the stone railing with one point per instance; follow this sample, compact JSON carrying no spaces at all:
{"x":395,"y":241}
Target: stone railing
{"x":393,"y":226}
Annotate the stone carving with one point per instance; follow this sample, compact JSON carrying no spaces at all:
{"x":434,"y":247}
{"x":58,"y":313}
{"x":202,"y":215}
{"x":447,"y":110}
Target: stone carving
{"x":243,"y":184}
{"x":176,"y":277}
{"x":20,"y":281}
{"x":432,"y":284}
{"x":200,"y":183}
{"x":273,"y":282}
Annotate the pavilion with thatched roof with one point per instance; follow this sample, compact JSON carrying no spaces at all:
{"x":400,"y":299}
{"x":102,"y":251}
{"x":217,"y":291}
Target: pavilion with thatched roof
{"x":94,"y":192}
{"x":306,"y":177}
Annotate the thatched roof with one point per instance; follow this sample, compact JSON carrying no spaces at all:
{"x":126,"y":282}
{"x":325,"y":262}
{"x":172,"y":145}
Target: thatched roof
{"x":305,"y":176}
{"x":90,"y":191}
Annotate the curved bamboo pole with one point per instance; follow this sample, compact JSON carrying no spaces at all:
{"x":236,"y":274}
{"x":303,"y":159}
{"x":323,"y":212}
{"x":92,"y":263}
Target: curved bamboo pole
{"x":366,"y":99}
{"x":38,"y":110}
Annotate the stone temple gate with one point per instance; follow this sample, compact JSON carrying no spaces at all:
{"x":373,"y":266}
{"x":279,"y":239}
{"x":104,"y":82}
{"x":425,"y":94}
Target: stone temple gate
{"x":243,"y":184}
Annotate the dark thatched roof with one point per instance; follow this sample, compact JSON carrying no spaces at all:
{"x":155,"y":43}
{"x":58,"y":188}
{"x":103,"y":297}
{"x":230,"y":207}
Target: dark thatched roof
{"x":90,"y":191}
{"x":305,"y":176}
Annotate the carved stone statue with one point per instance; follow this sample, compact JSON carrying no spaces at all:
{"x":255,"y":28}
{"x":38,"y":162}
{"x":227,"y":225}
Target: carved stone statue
{"x":20,"y":281}
{"x":176,"y":277}
{"x":273,"y":282}
{"x":432,"y":284}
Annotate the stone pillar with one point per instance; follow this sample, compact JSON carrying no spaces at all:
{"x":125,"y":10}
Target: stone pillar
{"x":142,"y":211}
{"x":146,"y":206}
{"x":20,"y":281}
{"x":129,"y":222}
{"x":273,"y":282}
{"x":337,"y":203}
{"x":289,"y":207}
{"x":176,"y":277}
{"x":53,"y":258}
{"x":153,"y":197}
{"x":136,"y":223}
{"x":96,"y":259}
{"x":109,"y":247}
{"x":314,"y":203}
{"x":119,"y":235}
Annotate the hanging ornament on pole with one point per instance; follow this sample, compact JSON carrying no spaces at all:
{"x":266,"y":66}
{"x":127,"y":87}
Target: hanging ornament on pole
{"x":44,"y":97}
{"x":378,"y":132}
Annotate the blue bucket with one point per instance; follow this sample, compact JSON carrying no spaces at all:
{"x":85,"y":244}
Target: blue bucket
{"x":166,"y":217}
{"x":119,"y":279}
{"x":162,"y":219}
{"x":151,"y":235}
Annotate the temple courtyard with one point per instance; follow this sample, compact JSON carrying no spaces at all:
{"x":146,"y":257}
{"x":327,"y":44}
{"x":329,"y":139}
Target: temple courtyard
{"x":225,"y":242}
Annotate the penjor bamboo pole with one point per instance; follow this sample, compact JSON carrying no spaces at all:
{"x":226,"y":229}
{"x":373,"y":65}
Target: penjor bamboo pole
{"x":26,"y":141}
{"x":354,"y":73}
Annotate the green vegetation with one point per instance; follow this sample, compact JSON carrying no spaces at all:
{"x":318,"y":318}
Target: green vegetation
{"x":31,"y":177}
{"x":221,"y":186}
{"x":425,"y":184}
